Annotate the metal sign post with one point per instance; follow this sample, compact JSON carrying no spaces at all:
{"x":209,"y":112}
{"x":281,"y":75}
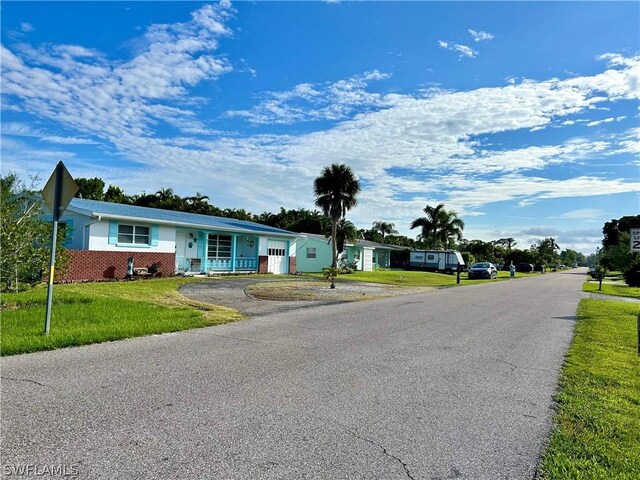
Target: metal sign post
{"x":57,"y":194}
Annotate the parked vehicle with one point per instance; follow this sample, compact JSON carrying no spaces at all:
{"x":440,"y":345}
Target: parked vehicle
{"x":483,"y":270}
{"x":524,"y":267}
{"x":435,"y":260}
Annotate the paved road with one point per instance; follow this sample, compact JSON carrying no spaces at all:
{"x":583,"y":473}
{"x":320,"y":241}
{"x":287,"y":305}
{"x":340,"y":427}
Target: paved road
{"x":455,"y":383}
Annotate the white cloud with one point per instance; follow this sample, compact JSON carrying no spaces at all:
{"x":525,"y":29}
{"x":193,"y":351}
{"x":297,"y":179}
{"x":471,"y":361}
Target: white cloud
{"x":463,"y":50}
{"x":313,"y":102}
{"x":605,"y":120}
{"x":480,"y":36}
{"x":68,"y":140}
{"x":26,"y":27}
{"x":583,"y":214}
{"x":408,"y":149}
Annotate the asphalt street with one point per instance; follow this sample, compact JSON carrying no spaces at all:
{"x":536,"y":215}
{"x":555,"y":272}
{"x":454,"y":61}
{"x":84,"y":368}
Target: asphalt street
{"x":454,"y":383}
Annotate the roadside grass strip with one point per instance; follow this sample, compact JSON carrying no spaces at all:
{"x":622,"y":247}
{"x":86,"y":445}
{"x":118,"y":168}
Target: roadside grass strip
{"x":98,"y":312}
{"x":597,"y":433}
{"x":413,"y":278}
{"x":612,"y":289}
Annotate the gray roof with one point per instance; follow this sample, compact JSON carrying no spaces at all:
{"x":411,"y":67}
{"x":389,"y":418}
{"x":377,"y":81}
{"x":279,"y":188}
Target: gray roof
{"x":359,"y":243}
{"x":95,"y":208}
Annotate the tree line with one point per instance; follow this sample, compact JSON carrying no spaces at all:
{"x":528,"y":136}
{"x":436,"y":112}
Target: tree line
{"x":24,"y":233}
{"x":336,"y":191}
{"x":616,"y":253}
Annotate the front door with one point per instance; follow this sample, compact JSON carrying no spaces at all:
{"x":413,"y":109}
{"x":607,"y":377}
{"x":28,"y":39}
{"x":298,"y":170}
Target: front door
{"x":277,"y":257}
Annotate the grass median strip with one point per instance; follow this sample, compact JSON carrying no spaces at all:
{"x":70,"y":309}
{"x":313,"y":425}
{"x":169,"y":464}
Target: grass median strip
{"x":597,"y":434}
{"x":98,"y":312}
{"x":404,"y":278}
{"x":619,"y":290}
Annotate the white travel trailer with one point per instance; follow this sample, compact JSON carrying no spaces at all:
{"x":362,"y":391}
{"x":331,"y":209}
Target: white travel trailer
{"x":435,"y":260}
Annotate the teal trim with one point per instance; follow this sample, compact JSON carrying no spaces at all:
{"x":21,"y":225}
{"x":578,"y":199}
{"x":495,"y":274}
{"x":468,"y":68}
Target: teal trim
{"x":234,"y":241}
{"x":68,"y":238}
{"x":154,"y":233}
{"x":113,"y":232}
{"x":203,"y":240}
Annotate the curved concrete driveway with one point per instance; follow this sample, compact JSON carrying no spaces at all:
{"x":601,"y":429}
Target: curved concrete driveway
{"x":230,"y":292}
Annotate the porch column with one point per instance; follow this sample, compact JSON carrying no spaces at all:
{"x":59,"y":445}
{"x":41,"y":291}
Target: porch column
{"x":203,"y":241}
{"x":234,"y":241}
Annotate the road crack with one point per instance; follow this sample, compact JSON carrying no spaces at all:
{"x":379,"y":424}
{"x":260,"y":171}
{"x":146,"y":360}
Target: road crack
{"x":261,"y":342}
{"x":23,"y":380}
{"x":355,"y":434}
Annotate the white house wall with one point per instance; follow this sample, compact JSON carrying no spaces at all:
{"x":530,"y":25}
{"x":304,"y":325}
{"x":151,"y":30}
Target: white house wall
{"x":262,"y":248}
{"x":99,"y":238}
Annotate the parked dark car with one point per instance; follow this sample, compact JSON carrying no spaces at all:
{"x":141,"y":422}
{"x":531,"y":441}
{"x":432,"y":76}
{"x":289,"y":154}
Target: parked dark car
{"x":524,"y":267}
{"x":482,"y":270}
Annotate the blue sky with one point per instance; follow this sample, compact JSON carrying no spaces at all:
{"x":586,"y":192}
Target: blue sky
{"x":523,"y":117}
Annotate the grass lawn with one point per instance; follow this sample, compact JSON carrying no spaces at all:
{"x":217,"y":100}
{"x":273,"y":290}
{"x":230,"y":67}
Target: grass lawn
{"x":97,"y":312}
{"x":612,"y":289}
{"x":597,"y":434}
{"x":413,"y":278}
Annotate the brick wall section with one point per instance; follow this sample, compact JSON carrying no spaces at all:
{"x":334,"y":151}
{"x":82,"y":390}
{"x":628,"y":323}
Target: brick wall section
{"x":263,"y":264}
{"x":88,"y":265}
{"x":292,"y":265}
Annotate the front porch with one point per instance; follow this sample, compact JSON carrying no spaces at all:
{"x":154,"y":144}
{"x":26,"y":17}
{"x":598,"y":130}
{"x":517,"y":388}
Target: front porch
{"x":211,"y":252}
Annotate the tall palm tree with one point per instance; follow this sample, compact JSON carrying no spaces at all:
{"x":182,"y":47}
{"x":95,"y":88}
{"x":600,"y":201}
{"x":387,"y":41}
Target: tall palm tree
{"x":449,"y":227}
{"x":385,"y":228}
{"x":429,"y":224}
{"x":336,"y":191}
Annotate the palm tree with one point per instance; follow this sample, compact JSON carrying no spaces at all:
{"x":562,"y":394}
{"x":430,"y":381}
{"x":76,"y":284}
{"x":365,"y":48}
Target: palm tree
{"x":336,"y":190}
{"x":429,"y":224}
{"x":449,"y":227}
{"x":507,"y":243}
{"x":199,"y":203}
{"x":345,"y":232}
{"x":385,"y":228}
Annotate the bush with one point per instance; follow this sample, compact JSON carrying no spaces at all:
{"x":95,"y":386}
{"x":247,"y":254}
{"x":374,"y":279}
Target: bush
{"x":632,"y":274}
{"x":346,"y":266}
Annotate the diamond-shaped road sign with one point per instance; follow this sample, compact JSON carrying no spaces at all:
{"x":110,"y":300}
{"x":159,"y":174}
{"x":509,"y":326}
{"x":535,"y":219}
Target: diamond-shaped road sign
{"x":67,"y":186}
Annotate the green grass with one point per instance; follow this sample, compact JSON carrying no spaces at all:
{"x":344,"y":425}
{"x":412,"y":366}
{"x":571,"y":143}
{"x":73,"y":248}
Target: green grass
{"x":597,"y":434}
{"x":412,"y":278}
{"x":612,"y":289}
{"x":98,"y":312}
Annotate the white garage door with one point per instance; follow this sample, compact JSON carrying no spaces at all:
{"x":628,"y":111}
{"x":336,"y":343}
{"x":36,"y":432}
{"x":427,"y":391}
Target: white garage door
{"x":367,"y":260}
{"x":278,"y":260}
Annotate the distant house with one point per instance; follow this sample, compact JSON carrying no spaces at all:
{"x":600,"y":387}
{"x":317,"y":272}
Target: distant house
{"x":102,"y":236}
{"x":314,"y":253}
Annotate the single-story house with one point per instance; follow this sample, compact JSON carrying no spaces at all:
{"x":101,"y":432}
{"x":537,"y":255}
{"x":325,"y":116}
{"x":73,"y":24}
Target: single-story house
{"x":314,"y":253}
{"x":102,"y":236}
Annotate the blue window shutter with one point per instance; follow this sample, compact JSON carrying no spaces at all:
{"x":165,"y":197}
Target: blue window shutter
{"x":154,"y":235}
{"x":113,"y":231}
{"x":68,"y":239}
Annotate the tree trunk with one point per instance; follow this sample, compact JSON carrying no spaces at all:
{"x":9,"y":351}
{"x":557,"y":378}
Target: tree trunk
{"x":334,"y":242}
